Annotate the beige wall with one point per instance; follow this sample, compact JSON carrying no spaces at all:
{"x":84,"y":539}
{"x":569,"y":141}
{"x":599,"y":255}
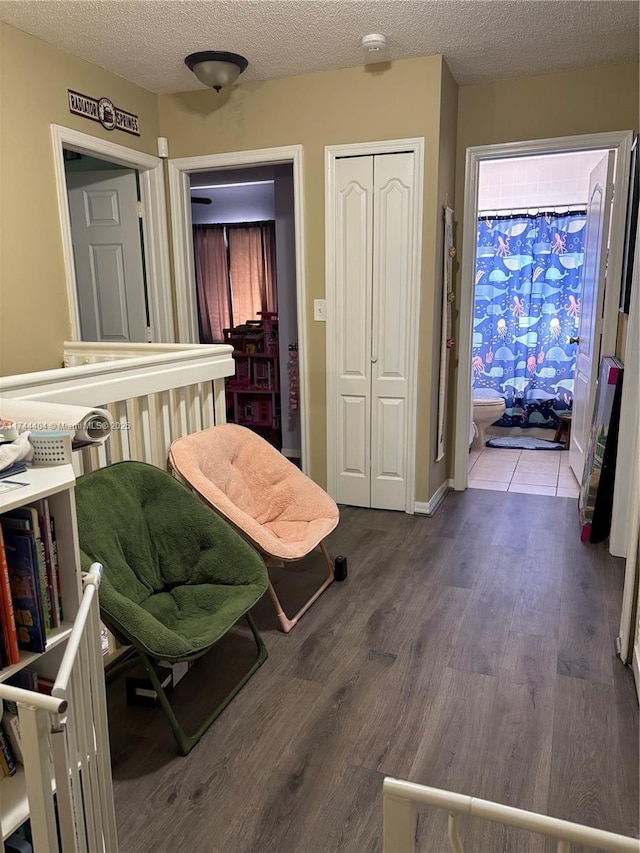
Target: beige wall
{"x":350,"y":105}
{"x":34,"y":78}
{"x":593,"y":100}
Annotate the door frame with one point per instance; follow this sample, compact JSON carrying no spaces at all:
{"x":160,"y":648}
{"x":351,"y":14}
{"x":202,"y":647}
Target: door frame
{"x":154,"y":224}
{"x":619,"y":141}
{"x":184,"y":273}
{"x":415,"y":145}
{"x":627,"y":503}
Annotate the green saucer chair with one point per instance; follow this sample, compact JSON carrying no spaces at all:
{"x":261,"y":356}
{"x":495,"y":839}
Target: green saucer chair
{"x":176,"y":576}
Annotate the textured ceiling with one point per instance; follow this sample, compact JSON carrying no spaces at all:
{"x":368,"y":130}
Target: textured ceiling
{"x":146,"y":41}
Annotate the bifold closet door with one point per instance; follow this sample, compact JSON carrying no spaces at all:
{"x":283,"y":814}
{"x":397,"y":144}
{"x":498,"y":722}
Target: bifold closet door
{"x":373,"y":228}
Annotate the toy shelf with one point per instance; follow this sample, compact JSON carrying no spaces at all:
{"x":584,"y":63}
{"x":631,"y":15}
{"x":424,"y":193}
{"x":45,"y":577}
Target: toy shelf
{"x":253,"y":394}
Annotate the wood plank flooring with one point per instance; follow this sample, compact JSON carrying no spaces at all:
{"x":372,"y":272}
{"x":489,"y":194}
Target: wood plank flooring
{"x":472,"y":651}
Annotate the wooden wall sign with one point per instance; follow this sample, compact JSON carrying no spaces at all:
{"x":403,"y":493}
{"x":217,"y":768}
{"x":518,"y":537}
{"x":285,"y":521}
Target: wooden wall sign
{"x":103,"y":111}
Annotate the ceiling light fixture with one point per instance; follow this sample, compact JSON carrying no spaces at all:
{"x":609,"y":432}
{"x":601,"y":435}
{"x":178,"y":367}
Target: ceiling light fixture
{"x":216,"y":68}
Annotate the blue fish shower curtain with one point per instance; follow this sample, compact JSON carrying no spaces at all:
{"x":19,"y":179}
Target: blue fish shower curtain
{"x":527,"y":305}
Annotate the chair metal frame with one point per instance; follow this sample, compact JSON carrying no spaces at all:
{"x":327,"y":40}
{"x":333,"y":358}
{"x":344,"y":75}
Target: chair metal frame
{"x":185,"y":741}
{"x":285,"y":622}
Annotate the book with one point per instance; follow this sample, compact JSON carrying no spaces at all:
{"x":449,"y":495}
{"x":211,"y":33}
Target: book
{"x":51,"y":560}
{"x":54,"y":547}
{"x":45,"y":684}
{"x":24,"y":577}
{"x":11,"y":726}
{"x":14,"y":468}
{"x":8,"y":764}
{"x":9,"y":633}
{"x":27,"y":517}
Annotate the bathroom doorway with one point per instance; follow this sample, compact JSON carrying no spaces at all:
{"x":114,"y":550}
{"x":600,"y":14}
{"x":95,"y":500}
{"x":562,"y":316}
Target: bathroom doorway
{"x":520,"y":302}
{"x":532,"y":215}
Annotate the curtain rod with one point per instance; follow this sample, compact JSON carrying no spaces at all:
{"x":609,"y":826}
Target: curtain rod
{"x":533,"y":211}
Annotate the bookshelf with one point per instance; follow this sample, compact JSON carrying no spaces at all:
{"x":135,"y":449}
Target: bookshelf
{"x":57,"y":484}
{"x":253,"y":394}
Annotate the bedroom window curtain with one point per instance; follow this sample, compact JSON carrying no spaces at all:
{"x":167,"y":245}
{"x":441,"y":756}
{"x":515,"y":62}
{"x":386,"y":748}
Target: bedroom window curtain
{"x":235,"y":275}
{"x":528,"y":284}
{"x":212,"y":281}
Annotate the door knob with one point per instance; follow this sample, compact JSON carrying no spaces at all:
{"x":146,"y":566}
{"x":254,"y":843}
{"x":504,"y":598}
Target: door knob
{"x":373,"y":359}
{"x":574,"y":340}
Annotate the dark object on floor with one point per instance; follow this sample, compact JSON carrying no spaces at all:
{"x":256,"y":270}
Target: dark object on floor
{"x":340,"y":568}
{"x":176,"y":578}
{"x":513,"y":442}
{"x":139,"y":688}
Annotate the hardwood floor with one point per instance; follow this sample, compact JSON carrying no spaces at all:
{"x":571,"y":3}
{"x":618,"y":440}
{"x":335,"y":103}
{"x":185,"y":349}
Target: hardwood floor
{"x":473,"y":651}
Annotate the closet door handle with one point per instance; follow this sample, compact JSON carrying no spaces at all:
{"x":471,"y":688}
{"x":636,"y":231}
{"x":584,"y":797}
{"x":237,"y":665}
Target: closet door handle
{"x":374,"y":359}
{"x":574,"y":340}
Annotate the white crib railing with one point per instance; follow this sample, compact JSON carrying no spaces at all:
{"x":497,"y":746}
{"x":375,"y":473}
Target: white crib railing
{"x":65,"y":744}
{"x":155,"y":393}
{"x":400,"y":800}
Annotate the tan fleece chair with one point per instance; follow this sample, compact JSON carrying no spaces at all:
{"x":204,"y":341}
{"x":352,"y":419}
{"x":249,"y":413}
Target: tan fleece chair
{"x":283,"y":513}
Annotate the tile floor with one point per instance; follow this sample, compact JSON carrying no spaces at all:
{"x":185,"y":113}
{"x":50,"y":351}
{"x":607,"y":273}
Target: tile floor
{"x":536,"y":472}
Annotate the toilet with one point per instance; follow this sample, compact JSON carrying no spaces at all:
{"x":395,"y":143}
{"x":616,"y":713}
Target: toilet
{"x":487,"y":408}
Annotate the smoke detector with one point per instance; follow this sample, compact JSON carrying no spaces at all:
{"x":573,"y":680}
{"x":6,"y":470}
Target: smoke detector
{"x":374,"y":43}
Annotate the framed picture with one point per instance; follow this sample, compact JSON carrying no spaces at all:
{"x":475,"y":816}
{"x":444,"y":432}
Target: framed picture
{"x":631,"y":228}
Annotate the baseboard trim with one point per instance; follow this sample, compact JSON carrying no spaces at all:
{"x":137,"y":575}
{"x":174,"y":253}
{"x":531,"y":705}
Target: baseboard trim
{"x":290,"y":452}
{"x":429,"y":508}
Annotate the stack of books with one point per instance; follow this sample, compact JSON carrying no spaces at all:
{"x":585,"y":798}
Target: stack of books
{"x":30,"y":595}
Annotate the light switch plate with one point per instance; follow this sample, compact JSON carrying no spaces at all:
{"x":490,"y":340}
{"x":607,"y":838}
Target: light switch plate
{"x":320,"y":310}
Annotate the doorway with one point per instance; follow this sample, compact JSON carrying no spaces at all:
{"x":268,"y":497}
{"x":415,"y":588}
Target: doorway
{"x":244,"y":250}
{"x":532,"y":225}
{"x":108,"y":249}
{"x":619,"y":143}
{"x":154,"y":304}
{"x":282,"y":168}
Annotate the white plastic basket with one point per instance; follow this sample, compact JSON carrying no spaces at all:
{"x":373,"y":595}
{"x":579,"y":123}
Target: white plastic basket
{"x":51,"y":448}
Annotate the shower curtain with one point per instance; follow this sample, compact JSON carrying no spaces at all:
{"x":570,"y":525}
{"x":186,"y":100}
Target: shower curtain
{"x":527,"y":306}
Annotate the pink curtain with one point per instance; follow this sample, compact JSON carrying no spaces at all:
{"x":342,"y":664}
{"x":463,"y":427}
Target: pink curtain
{"x":212,"y":282}
{"x":235,"y":275}
{"x":252,"y":270}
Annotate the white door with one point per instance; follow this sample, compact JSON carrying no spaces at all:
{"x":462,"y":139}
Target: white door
{"x":373,"y":234}
{"x":591,"y":312}
{"x":354,"y":263}
{"x":392,"y":234}
{"x":105,"y":229}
